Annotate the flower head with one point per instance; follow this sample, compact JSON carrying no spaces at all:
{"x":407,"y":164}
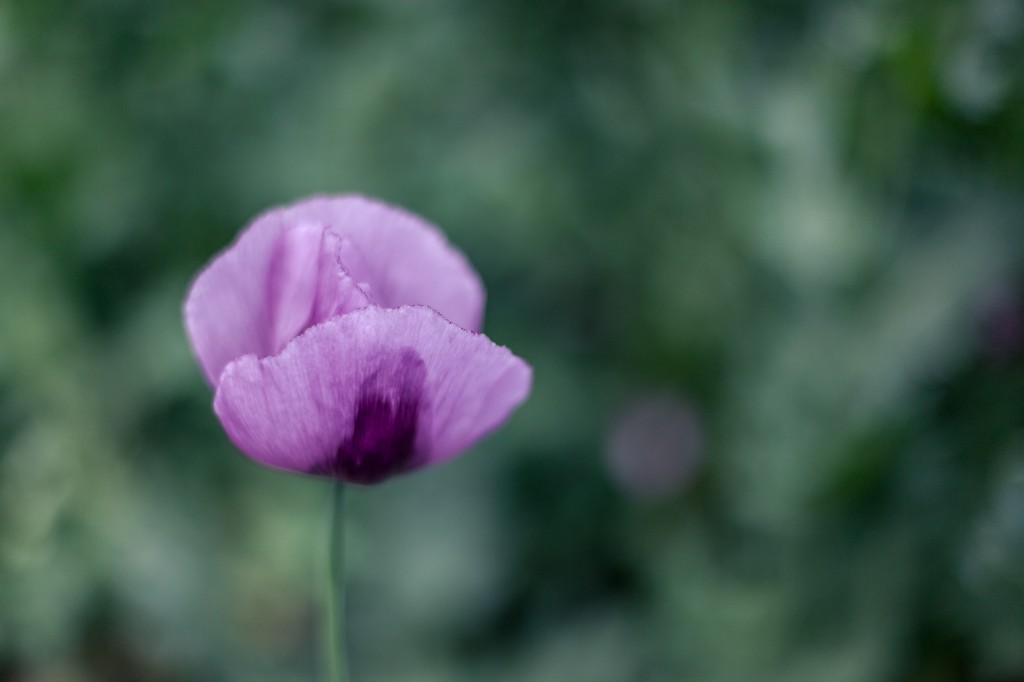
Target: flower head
{"x":339,"y":334}
{"x":654,"y":446}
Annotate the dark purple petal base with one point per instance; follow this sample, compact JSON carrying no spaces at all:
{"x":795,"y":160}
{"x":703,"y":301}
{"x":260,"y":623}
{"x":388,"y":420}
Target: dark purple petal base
{"x":383,"y":441}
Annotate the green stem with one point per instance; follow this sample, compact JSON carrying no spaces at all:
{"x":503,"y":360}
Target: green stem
{"x":336,"y":650}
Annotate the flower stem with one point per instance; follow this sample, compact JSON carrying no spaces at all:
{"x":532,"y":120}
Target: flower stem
{"x":335,"y":644}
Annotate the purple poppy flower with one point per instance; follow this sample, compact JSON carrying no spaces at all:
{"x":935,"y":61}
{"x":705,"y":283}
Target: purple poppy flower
{"x":340,"y":336}
{"x":1002,"y":331}
{"x":654,"y":446}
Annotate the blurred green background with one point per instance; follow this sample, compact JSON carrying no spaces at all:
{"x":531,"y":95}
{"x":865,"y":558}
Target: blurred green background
{"x":801,"y":224}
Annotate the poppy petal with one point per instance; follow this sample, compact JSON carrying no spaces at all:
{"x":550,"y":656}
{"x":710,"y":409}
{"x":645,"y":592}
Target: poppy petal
{"x":403,"y":259}
{"x":370,"y":394}
{"x":264,"y":289}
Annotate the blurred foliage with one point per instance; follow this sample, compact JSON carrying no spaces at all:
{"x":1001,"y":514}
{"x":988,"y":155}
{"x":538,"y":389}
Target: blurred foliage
{"x":803,"y":217}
